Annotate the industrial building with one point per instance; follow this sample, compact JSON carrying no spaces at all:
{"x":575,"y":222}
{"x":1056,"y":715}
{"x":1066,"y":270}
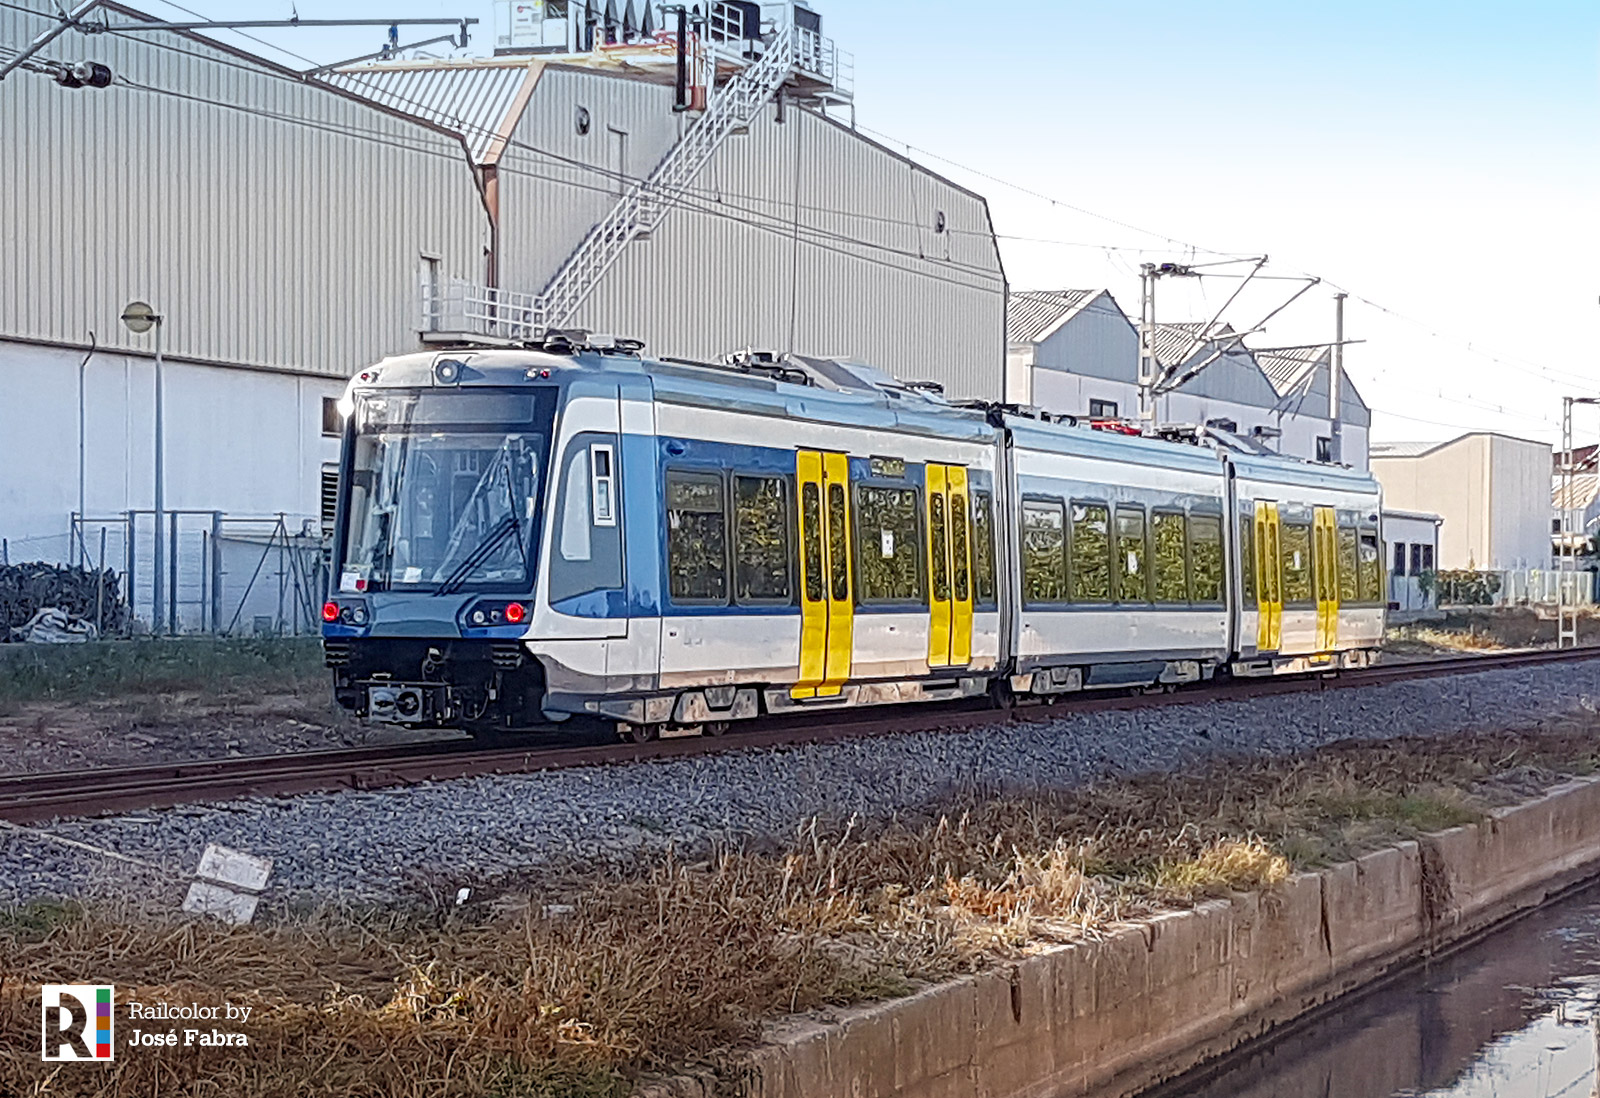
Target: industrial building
{"x":290,"y":227}
{"x":1075,"y":352}
{"x":1492,"y":492}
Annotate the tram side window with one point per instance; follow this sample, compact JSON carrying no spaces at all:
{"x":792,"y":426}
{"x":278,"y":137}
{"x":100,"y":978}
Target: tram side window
{"x":1133,"y":583}
{"x":1205,"y":556}
{"x":938,"y":537}
{"x":1170,"y":563}
{"x":1044,"y":548}
{"x":760,"y":539}
{"x":1247,"y":558}
{"x":1349,"y":586}
{"x":838,"y":544}
{"x":1091,"y":552}
{"x":1296,"y":550}
{"x":887,"y":541}
{"x":960,"y":568}
{"x":1371,"y":572}
{"x":588,"y":553}
{"x":697,"y":538}
{"x":982,"y":548}
{"x":811,"y":521}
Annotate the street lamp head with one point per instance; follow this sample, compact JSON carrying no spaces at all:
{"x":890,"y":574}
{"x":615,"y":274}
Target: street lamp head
{"x":139,"y":317}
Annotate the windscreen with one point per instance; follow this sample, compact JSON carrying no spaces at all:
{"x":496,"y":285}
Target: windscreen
{"x":445,"y":489}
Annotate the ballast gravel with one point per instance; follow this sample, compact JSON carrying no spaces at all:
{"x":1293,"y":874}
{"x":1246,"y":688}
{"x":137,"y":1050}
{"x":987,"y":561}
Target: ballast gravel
{"x":428,"y":840}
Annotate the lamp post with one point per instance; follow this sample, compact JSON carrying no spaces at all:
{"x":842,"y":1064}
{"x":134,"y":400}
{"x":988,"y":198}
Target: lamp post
{"x":140,"y":318}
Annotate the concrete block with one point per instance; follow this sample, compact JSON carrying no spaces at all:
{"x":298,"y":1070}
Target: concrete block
{"x":934,"y":1032}
{"x":1015,"y":1013}
{"x":1370,"y":905}
{"x":862,"y":1053}
{"x":1191,"y":977}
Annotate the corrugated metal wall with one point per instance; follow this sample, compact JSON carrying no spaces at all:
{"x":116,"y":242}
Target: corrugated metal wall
{"x":275,"y":224}
{"x":803,"y":236}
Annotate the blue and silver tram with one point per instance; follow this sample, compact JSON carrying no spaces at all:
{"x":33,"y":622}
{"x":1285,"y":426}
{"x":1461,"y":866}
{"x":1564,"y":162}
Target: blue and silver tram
{"x":528,"y":536}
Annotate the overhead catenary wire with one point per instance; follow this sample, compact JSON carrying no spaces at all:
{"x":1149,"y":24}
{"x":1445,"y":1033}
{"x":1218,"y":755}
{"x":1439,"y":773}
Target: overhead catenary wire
{"x":715,"y":203}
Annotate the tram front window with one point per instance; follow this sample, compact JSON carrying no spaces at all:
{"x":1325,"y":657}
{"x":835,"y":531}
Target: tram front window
{"x":445,"y":489}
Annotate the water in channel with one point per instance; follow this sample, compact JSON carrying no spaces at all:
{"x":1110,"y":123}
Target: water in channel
{"x":1514,"y":1016}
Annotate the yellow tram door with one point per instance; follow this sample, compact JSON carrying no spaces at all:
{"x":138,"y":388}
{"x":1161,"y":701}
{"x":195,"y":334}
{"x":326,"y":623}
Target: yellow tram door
{"x":949,"y":567}
{"x":1269,"y":579}
{"x":1326,"y":574}
{"x":826,"y":606}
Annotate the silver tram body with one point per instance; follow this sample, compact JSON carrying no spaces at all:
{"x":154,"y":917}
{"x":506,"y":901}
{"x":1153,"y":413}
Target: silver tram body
{"x":524,"y":537}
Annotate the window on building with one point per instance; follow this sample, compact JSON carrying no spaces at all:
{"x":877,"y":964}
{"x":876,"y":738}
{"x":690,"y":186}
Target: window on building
{"x":1324,"y":449}
{"x":697,"y":538}
{"x":1091,"y":552}
{"x":1555,"y":525}
{"x":1170,"y":566}
{"x":1102,"y":409}
{"x":1205,"y":557}
{"x":1427,"y":558}
{"x":1416,"y":558}
{"x":332,"y":421}
{"x":1044,"y":552}
{"x":887,"y":541}
{"x":1399,"y":558}
{"x":982,"y":548}
{"x":1296,"y":550}
{"x":1133,"y":583}
{"x":761,"y":539}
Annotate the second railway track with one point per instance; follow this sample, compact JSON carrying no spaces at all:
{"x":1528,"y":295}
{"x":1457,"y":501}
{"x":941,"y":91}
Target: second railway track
{"x":27,"y":798}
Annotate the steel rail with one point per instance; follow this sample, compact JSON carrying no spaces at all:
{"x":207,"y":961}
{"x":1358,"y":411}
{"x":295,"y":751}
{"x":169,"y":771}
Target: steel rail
{"x":28,"y":798}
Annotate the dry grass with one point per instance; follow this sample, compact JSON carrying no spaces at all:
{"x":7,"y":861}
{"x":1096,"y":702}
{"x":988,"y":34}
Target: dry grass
{"x":676,"y":963}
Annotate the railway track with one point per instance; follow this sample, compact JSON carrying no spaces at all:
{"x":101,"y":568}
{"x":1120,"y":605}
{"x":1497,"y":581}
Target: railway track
{"x":28,"y":798}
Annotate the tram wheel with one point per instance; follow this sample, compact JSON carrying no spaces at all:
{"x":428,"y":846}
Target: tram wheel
{"x":638,"y":733}
{"x":714,"y":728}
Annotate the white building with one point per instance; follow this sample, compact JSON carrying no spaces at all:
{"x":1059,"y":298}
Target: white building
{"x":1491,"y":490}
{"x":1411,"y":548}
{"x":1075,"y":352}
{"x":291,"y":228}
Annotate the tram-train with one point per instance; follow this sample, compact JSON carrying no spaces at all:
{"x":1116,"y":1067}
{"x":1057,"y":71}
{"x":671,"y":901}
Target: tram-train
{"x":527,"y":536}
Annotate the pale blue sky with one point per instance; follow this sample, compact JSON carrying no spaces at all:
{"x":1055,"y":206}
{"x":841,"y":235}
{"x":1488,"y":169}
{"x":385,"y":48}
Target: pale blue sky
{"x":1437,"y":159}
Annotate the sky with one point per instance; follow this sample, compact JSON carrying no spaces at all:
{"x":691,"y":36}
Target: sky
{"x":1437,"y":161}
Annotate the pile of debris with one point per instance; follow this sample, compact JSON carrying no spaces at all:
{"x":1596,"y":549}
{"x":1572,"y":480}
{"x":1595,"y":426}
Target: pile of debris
{"x":47,"y":602}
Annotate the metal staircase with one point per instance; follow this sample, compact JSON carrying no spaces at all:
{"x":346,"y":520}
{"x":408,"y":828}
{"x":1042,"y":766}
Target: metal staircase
{"x":642,"y":208}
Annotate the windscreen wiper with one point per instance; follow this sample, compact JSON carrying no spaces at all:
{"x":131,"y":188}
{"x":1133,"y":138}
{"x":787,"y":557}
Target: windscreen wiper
{"x":458,"y":575}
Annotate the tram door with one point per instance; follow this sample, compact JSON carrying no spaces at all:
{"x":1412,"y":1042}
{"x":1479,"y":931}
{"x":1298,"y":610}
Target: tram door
{"x":827,"y":604}
{"x":949,"y":567}
{"x":1269,"y":579}
{"x":1325,"y":557}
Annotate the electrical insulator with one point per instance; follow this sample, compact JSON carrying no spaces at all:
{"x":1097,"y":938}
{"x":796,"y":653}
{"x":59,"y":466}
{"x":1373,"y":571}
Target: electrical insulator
{"x":91,"y":74}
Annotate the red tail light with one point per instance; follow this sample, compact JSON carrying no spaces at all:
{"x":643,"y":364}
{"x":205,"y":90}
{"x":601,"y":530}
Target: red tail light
{"x":515,"y":613}
{"x":330,"y":611}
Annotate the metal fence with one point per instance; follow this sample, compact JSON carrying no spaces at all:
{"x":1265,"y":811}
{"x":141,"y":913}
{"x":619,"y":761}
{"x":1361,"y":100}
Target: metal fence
{"x":1515,"y":587}
{"x":223,"y":574}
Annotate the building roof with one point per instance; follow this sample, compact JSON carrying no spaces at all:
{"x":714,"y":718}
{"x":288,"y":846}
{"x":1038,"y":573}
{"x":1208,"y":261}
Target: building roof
{"x":1585,"y":486}
{"x":1177,"y":339}
{"x":1035,"y":315}
{"x":478,"y":98}
{"x":1380,"y":450}
{"x":1403,"y":449}
{"x":1286,"y":366}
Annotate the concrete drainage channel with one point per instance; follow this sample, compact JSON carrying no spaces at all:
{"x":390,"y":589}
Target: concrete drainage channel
{"x":1165,"y":996}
